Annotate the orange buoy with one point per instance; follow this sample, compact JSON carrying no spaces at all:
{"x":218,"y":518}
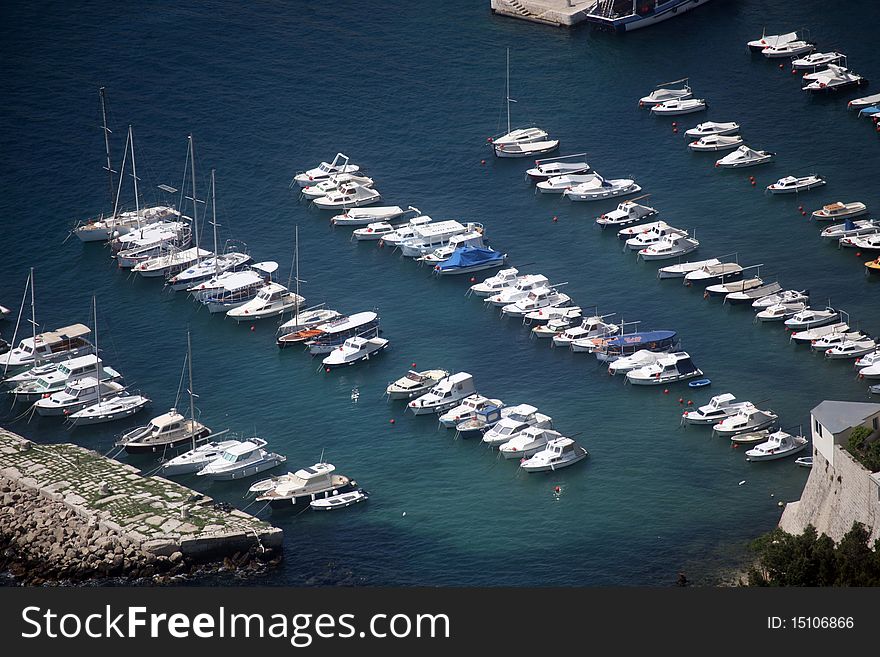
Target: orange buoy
{"x":413,"y":365}
{"x":754,"y":183}
{"x":690,"y":403}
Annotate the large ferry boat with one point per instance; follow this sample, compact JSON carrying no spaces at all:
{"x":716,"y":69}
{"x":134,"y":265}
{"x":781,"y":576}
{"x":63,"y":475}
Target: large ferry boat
{"x":627,"y":15}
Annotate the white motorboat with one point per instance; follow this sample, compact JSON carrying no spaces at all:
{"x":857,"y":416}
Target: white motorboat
{"x":670,"y":246}
{"x":869,"y":360}
{"x":676,"y":107}
{"x":536,"y":299}
{"x":869,"y":242}
{"x":558,"y":166}
{"x":788,"y":50}
{"x":779,"y":445}
{"x":669,"y":368}
{"x":866,"y":101}
{"x":774,"y":40}
{"x":651,"y":236}
{"x":632,"y":231}
{"x":780,"y":311}
{"x":467,"y":410}
{"x":339,"y":501}
{"x":709,"y":128}
{"x":405,"y":233}
{"x":641,"y":358}
{"x":528,"y":442}
{"x":718,"y":408}
{"x":432,"y":236}
{"x":306,"y":485}
{"x":232,"y":289}
{"x":76,"y":395}
{"x":725,"y":289}
{"x":324,"y":170}
{"x":325,"y":338}
{"x":526,"y":149}
{"x":804,"y":462}
{"x":555,"y":327}
{"x":809,"y":335}
{"x":711,"y":273}
{"x":39,"y":381}
{"x":471,"y":238}
{"x":209,"y":267}
{"x":517,"y":419}
{"x":51,"y":346}
{"x":197,"y":458}
{"x":816,"y":59}
{"x":682,"y":269}
{"x":272,"y":300}
{"x":750,"y":437}
{"x":558,"y":184}
{"x":812,"y":318}
{"x":838,"y":79}
{"x":544,"y":316}
{"x":627,"y":212}
{"x":164,"y":433}
{"x":675,"y":90}
{"x":794,"y":184}
{"x":413,"y":383}
{"x":245,"y":459}
{"x":504,"y":279}
{"x":109,"y":410}
{"x":850,"y":229}
{"x":785,"y":296}
{"x":748,"y":419}
{"x":870,"y":371}
{"x":851,"y":349}
{"x":836,"y":339}
{"x":749,"y":295}
{"x":839,"y":210}
{"x":600,"y":188}
{"x":520,"y":290}
{"x":559,"y":453}
{"x":354,"y":350}
{"x":334,"y":184}
{"x":170,"y":263}
{"x":716,"y":143}
{"x":366,"y":216}
{"x":744,"y":157}
{"x":382,"y":230}
{"x":590,"y":327}
{"x":447,"y":393}
{"x":349,"y":195}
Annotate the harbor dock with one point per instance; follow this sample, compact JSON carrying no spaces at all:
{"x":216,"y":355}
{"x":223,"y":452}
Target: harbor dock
{"x":563,"y":13}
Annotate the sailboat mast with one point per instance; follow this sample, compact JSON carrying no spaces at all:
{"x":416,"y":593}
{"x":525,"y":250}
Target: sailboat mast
{"x":296,"y":259}
{"x":121,"y":177}
{"x":34,"y":320}
{"x":134,"y":175}
{"x":508,"y":90}
{"x":100,"y":371}
{"x":107,"y":131}
{"x":192,"y":403}
{"x":214,"y":222}
{"x":192,"y":169}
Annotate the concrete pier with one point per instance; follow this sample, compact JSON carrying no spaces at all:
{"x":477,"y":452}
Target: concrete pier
{"x":153,"y":517}
{"x":550,"y":12}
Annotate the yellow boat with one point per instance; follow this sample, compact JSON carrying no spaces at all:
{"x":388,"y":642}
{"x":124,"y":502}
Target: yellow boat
{"x":873,"y":266}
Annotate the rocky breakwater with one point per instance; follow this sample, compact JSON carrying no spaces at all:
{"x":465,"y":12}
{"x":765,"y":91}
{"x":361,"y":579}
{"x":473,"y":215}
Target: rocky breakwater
{"x":71,"y":515}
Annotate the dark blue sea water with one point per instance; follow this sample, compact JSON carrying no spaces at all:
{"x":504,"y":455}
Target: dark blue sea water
{"x":411,"y":91}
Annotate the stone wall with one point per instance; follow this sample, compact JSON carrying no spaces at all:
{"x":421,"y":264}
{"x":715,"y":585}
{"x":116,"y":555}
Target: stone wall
{"x":835,"y":496}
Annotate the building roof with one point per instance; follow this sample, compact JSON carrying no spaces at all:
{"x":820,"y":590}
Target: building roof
{"x":837,"y":416}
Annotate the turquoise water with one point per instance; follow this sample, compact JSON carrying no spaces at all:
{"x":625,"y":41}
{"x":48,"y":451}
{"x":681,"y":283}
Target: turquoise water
{"x":411,"y":93}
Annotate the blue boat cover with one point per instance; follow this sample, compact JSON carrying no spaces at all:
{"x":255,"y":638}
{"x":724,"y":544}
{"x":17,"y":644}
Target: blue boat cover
{"x":469,"y":256}
{"x":641,"y":337}
{"x":848,"y":225}
{"x":870,"y":111}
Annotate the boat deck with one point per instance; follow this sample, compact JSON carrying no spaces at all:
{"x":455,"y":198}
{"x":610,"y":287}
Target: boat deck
{"x":562,"y":13}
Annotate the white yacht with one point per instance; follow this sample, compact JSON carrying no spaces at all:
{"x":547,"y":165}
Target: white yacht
{"x":447,"y":393}
{"x":718,"y":408}
{"x":48,"y":347}
{"x":197,"y":458}
{"x":851,"y":228}
{"x":517,"y":419}
{"x":626,"y":213}
{"x":272,"y":300}
{"x":334,"y":183}
{"x":780,"y":311}
{"x":670,"y":246}
{"x":164,"y":432}
{"x":870,"y":242}
{"x":599,"y":189}
{"x":748,"y":419}
{"x":355,"y":350}
{"x":170,"y":263}
{"x":559,"y":184}
{"x":366,"y":216}
{"x":771,"y":40}
{"x":716,"y":143}
{"x":779,"y":445}
{"x":669,"y":368}
{"x":812,"y":318}
{"x":793,"y":184}
{"x":245,"y":459}
{"x":106,"y":228}
{"x":472,"y":238}
{"x":413,"y":383}
{"x":329,"y":336}
{"x":505,"y":278}
{"x":467,"y":409}
{"x":632,"y":231}
{"x":651,"y":236}
{"x":676,"y":107}
{"x":744,"y":157}
{"x":76,"y":395}
{"x":151,"y":242}
{"x":557,"y":166}
{"x":109,"y":410}
{"x":528,"y":442}
{"x":543,"y":297}
{"x":348,"y":195}
{"x":590,"y":327}
{"x":712,"y":128}
{"x":851,"y":349}
{"x":232,"y":289}
{"x":432,"y":236}
{"x":836,"y":339}
{"x":788,"y":50}
{"x":559,"y":453}
{"x":288,"y":332}
{"x":817,"y":59}
{"x":839,"y":210}
{"x":641,"y":358}
{"x":785,"y":296}
{"x":324,"y":170}
{"x":299,"y":489}
{"x":405,"y":233}
{"x":520,"y":290}
{"x":544,"y":316}
{"x":682,"y":269}
{"x":209,"y":267}
{"x":30,"y":386}
{"x":809,"y":335}
{"x":675,"y":90}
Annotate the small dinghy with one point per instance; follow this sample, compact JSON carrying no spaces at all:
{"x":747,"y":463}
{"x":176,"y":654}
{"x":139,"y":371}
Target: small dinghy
{"x":816,"y":59}
{"x":750,"y":295}
{"x":718,"y":408}
{"x":794,"y":184}
{"x":354,"y":350}
{"x":559,"y":184}
{"x":851,"y":228}
{"x":789,"y":49}
{"x":716,"y":143}
{"x":559,"y":453}
{"x":447,"y":393}
{"x":723,"y":289}
{"x":669,"y":368}
{"x":744,"y":157}
{"x":339,"y":501}
{"x":699,"y":383}
{"x":840,"y":210}
{"x":766,"y":41}
{"x":246,"y":459}
{"x":506,"y":278}
{"x":675,"y":90}
{"x":780,"y":311}
{"x":324,"y":170}
{"x":786,"y":296}
{"x":366,"y":216}
{"x":748,"y":419}
{"x":600,"y":188}
{"x":670,"y":246}
{"x":812,"y":318}
{"x":413,"y":384}
{"x":626,"y":213}
{"x":682,"y":269}
{"x":750,"y":437}
{"x":528,"y":442}
{"x":712,"y":128}
{"x":676,"y":107}
{"x":804,"y":462}
{"x":779,"y":445}
{"x":558,"y":166}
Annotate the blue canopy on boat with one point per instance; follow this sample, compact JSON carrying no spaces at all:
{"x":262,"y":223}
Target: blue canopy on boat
{"x":469,"y":256}
{"x":641,"y":337}
{"x":870,"y":111}
{"x":848,"y":225}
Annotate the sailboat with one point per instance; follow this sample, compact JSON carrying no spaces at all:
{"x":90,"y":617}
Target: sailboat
{"x":120,"y":405}
{"x":521,"y":142}
{"x":119,"y":223}
{"x":171,"y":429}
